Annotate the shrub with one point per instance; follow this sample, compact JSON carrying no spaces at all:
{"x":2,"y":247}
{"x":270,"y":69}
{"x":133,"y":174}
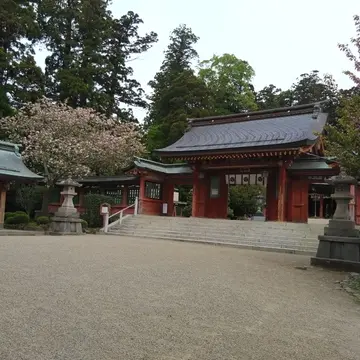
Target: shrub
{"x":29,"y":196}
{"x":243,"y":199}
{"x":92,"y":204}
{"x":84,"y":224}
{"x":20,"y":213}
{"x":18,"y":219}
{"x":42,"y":220}
{"x":187,"y":210}
{"x":15,"y":226}
{"x":9,"y":214}
{"x":33,"y":226}
{"x":230,"y":213}
{"x":12,"y":214}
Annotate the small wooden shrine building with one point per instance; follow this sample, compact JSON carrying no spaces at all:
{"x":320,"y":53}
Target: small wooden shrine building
{"x":281,"y":149}
{"x":12,"y":169}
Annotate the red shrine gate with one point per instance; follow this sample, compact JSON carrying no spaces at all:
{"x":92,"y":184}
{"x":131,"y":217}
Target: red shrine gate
{"x":281,"y":148}
{"x":283,"y":145}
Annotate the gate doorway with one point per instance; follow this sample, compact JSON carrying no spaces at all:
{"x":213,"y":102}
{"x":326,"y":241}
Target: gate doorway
{"x":246,"y":195}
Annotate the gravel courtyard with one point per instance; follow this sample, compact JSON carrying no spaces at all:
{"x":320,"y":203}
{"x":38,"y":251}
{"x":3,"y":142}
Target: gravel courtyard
{"x":106,"y":297}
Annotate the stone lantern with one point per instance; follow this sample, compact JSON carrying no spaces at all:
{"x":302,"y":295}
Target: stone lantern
{"x":260,"y":202}
{"x":339,"y":247}
{"x":66,"y":220}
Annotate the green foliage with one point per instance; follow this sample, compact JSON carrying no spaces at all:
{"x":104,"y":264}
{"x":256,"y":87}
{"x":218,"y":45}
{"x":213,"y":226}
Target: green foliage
{"x":230,"y":213}
{"x":308,"y":88}
{"x":178,"y":94}
{"x":229,"y":82}
{"x":21,"y":80}
{"x":271,"y":97}
{"x":88,"y":64}
{"x":311,"y":87}
{"x":116,"y":85}
{"x":42,"y":220}
{"x":243,"y":199}
{"x":15,"y":226}
{"x":33,"y":226}
{"x":187,"y":211}
{"x":29,"y":196}
{"x":92,"y":204}
{"x":90,"y":51}
{"x":9,"y":215}
{"x":84,"y":224}
{"x":343,"y":140}
{"x":17,"y":219}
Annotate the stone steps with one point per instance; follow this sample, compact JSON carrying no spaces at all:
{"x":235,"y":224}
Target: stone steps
{"x":276,"y":236}
{"x":178,"y":222}
{"x":309,"y":248}
{"x":217,"y":232}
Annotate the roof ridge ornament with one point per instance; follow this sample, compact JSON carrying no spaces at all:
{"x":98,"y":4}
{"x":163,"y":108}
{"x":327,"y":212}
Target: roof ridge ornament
{"x":189,"y":125}
{"x":317,"y":110}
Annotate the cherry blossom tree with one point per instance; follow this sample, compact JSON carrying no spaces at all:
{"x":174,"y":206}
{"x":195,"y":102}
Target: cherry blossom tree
{"x":60,"y":141}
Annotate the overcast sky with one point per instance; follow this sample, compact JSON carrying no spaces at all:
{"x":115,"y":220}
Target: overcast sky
{"x":281,"y":39}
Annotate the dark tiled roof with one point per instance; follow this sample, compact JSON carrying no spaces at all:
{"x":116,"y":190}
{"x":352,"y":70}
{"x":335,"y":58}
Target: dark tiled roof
{"x":102,"y":179}
{"x":11,"y":165}
{"x":279,"y":128}
{"x":306,"y":164}
{"x":169,"y":169}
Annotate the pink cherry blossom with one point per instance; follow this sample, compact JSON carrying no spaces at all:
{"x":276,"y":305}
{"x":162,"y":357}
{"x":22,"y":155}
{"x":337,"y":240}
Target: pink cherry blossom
{"x":60,"y":141}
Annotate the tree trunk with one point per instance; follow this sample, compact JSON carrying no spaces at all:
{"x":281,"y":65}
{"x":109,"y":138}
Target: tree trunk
{"x":45,"y":202}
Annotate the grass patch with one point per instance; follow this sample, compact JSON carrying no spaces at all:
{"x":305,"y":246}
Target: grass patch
{"x":354,"y":283}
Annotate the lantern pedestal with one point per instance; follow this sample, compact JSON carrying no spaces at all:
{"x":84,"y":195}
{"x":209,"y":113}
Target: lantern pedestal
{"x":66,"y":220}
{"x":259,"y":216}
{"x":339,"y":247}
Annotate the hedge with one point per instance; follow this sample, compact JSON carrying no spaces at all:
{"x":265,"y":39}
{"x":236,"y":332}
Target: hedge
{"x":17,"y":219}
{"x":42,"y":220}
{"x":92,"y":204}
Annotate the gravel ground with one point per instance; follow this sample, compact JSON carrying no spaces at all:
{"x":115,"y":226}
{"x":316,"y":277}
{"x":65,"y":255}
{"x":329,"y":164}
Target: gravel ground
{"x":106,"y":297}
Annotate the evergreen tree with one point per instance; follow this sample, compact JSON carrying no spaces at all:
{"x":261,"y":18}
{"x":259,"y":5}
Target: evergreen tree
{"x":116,"y":87}
{"x":271,"y":97}
{"x":311,"y":87}
{"x":89,"y":54}
{"x":73,"y":32}
{"x":308,"y":88}
{"x":178,"y":94}
{"x":21,"y":80}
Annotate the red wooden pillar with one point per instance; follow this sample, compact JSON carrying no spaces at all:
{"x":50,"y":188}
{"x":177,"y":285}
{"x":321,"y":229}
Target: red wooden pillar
{"x":124,"y":196}
{"x":357,"y":205}
{"x":195,"y":194}
{"x":141,"y":193}
{"x":352,"y":202}
{"x":271,"y":200}
{"x":321,"y":210}
{"x":2,"y":204}
{"x":281,"y":198}
{"x":198,"y":200}
{"x":80,"y":192}
{"x":168,"y":195}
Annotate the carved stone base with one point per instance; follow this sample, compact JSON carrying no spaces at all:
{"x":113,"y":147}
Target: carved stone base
{"x":341,"y":253}
{"x":341,"y":228}
{"x":258,"y":218}
{"x":65,"y":226}
{"x":336,"y":264}
{"x":339,"y":247}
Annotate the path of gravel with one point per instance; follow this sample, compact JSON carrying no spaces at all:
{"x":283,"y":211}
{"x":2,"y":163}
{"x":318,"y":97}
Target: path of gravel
{"x":103,"y":297}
